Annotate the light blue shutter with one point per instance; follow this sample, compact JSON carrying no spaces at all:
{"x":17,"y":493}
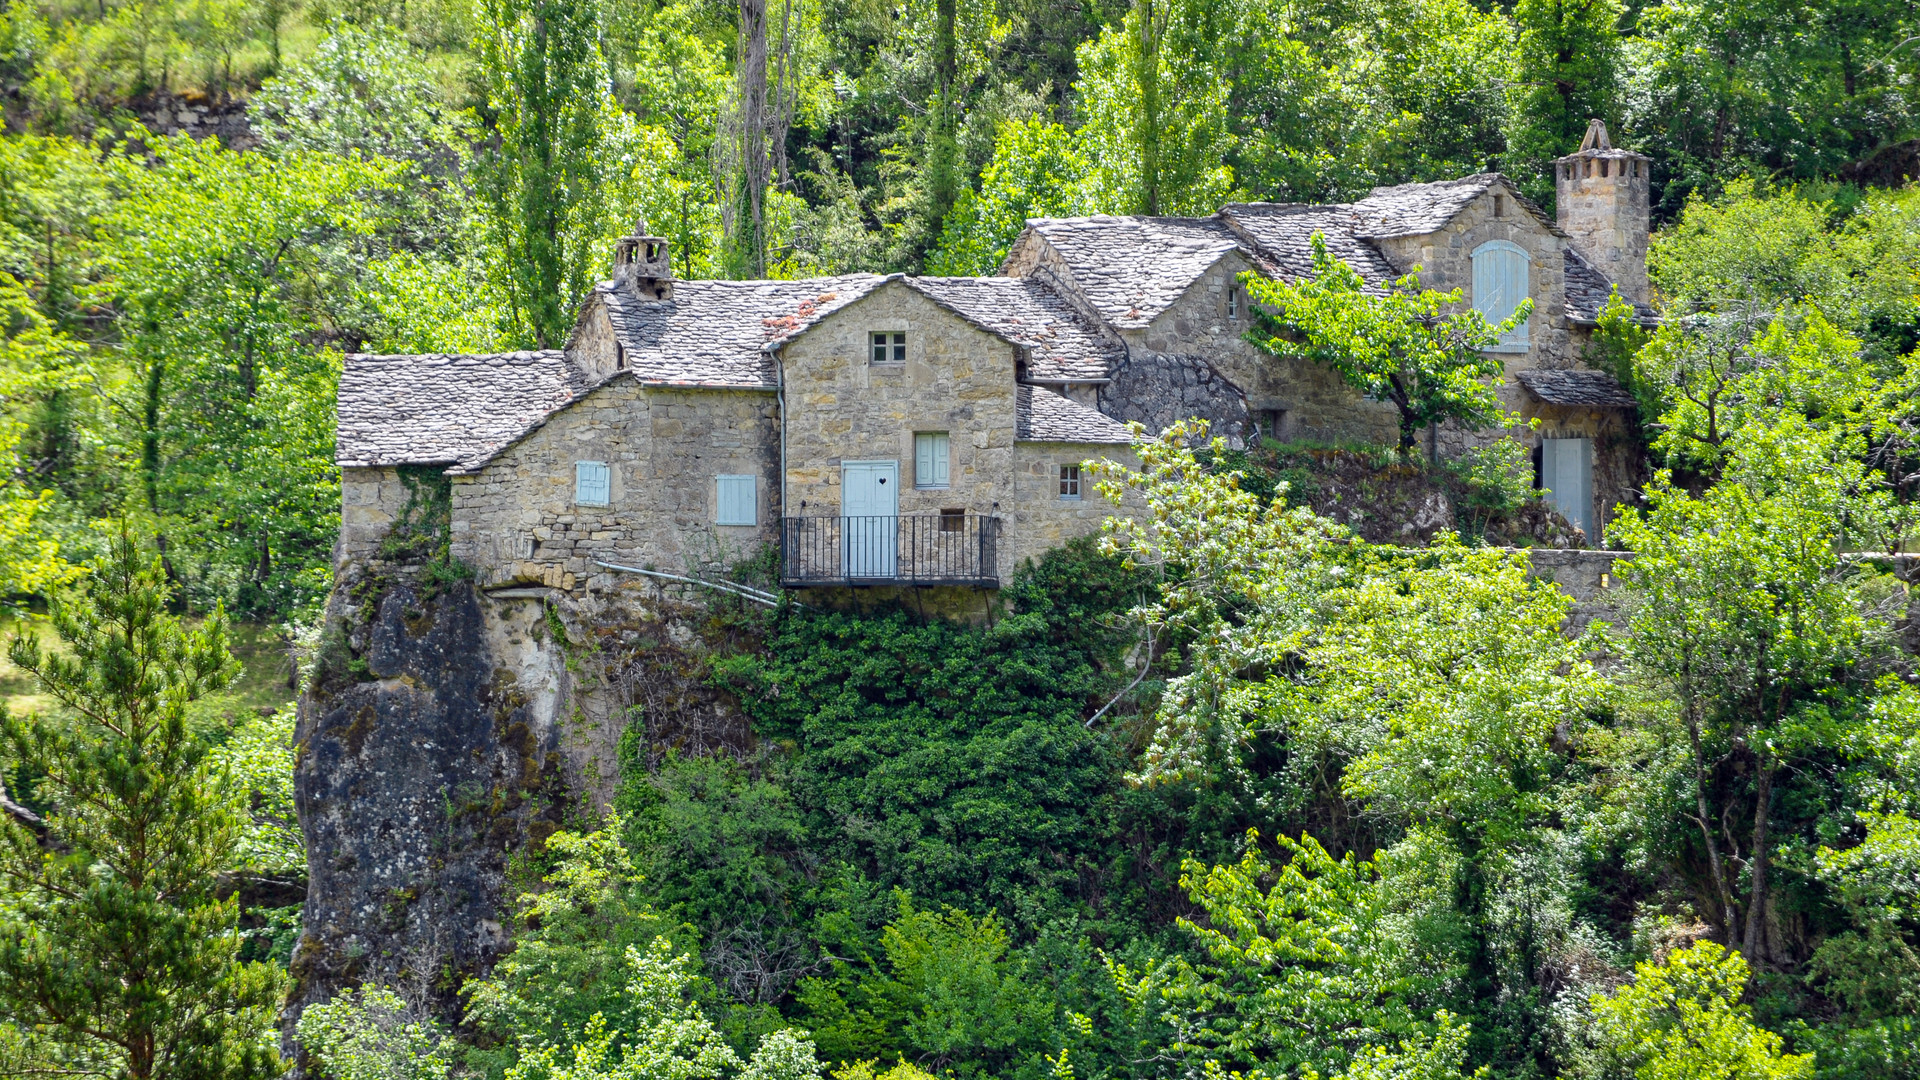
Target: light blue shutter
{"x":735,"y":501}
{"x":592,"y":483}
{"x":930,"y":459}
{"x":1567,"y":467}
{"x":1500,"y":272}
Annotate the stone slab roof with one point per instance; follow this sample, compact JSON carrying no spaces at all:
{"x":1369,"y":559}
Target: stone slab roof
{"x":1577,"y":387}
{"x":1060,"y":345}
{"x":1588,"y":289}
{"x":444,"y":409}
{"x":1418,"y":209}
{"x":1040,"y":415}
{"x":717,"y":333}
{"x":1133,"y":268}
{"x":1283,"y":235}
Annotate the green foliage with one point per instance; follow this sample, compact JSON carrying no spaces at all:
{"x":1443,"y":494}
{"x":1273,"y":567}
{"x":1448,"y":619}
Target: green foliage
{"x":258,"y":757}
{"x":1038,"y":170}
{"x":1683,"y":1019}
{"x":948,"y":993}
{"x":944,"y":759}
{"x":1396,"y":348}
{"x":1498,"y":480}
{"x":1438,"y":1057}
{"x":119,"y":951}
{"x":373,"y":1034}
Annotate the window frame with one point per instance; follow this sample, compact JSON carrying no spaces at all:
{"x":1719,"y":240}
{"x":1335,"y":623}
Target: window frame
{"x":1072,"y":483}
{"x":938,"y":476}
{"x":583,"y":488}
{"x":1494,"y":263}
{"x":886,"y":348}
{"x":720,"y":501}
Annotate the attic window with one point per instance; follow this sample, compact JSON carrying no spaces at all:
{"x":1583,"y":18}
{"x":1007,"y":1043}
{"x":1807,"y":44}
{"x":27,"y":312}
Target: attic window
{"x":889,"y":347}
{"x":1499,"y":206}
{"x":1233,"y":302}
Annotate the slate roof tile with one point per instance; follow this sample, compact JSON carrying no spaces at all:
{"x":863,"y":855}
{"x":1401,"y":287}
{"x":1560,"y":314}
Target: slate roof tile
{"x":1040,"y":415}
{"x":1283,"y":233}
{"x":1060,"y":345}
{"x":716,"y":333}
{"x":444,"y":409}
{"x":1588,"y":290}
{"x":1133,"y":268}
{"x":1576,"y":387}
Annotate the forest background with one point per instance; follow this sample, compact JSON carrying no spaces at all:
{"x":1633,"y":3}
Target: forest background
{"x":1700,"y":861}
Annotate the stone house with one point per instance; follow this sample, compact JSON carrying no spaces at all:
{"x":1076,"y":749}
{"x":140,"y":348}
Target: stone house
{"x":920,"y":431}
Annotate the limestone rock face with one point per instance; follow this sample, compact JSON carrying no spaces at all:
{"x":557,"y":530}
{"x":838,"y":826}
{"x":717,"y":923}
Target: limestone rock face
{"x":420,"y":768}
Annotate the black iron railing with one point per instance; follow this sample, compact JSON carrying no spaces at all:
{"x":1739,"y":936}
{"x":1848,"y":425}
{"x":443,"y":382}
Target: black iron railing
{"x":917,"y":549}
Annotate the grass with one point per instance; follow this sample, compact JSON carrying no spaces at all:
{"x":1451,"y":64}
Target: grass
{"x":260,"y":648}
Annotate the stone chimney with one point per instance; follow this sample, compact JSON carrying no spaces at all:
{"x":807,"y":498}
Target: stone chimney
{"x":1603,"y":197}
{"x":641,"y":263}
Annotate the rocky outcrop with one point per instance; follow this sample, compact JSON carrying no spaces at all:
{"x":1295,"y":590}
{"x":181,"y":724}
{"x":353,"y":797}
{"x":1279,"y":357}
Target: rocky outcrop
{"x":422,"y":766}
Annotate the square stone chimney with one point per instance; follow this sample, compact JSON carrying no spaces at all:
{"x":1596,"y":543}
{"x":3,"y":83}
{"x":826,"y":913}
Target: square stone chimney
{"x":1604,"y":206}
{"x":642,"y":263}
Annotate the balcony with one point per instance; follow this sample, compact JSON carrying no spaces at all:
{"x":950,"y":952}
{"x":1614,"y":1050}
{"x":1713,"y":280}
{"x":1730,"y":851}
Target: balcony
{"x":918,"y":549}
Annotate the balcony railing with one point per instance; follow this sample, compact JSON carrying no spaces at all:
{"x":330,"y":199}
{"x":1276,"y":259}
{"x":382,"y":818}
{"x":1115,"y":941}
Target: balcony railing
{"x":918,"y":549}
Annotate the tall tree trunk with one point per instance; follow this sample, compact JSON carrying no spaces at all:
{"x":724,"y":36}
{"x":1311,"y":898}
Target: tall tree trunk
{"x":750,"y":234}
{"x":1704,"y":818}
{"x":1755,"y":946}
{"x":942,"y":143}
{"x":1147,"y":76}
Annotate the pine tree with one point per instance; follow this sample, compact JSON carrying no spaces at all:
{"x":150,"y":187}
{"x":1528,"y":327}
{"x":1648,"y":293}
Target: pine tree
{"x":117,"y":949}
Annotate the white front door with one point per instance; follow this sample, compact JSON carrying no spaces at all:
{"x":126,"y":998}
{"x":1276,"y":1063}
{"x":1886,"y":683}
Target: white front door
{"x":870,"y":509}
{"x":1566,"y":471}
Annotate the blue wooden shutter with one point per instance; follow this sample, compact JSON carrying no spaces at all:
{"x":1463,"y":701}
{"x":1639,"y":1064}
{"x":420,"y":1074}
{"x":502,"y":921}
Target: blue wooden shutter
{"x":735,"y":501}
{"x":592,"y":483}
{"x":1500,"y":273}
{"x":931,"y":459}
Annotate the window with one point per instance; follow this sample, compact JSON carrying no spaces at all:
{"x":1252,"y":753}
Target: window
{"x":1499,"y":206}
{"x":734,"y":501}
{"x":953,"y":519}
{"x":1500,"y":271}
{"x":1233,"y":302}
{"x":1069,"y":481}
{"x":889,"y":347}
{"x":930,"y":459}
{"x":592,"y":483}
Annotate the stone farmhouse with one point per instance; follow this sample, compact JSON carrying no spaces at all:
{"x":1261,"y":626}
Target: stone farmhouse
{"x":929,"y":431}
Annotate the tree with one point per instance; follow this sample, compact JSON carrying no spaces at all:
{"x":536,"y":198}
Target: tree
{"x":117,"y":952}
{"x":1038,"y":169}
{"x":225,"y":272}
{"x":1567,"y":75}
{"x":555,"y":194}
{"x":1397,"y":347}
{"x":1682,"y":1020}
{"x":1745,"y":614}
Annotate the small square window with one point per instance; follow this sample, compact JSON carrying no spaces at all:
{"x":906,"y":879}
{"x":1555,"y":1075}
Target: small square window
{"x":735,"y":501}
{"x":592,"y":483}
{"x":1069,"y":481}
{"x":889,"y":347}
{"x":953,"y":520}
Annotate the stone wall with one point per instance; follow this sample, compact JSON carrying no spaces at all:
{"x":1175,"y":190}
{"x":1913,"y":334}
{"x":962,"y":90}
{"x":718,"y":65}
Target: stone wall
{"x":1588,"y":577}
{"x":1040,"y":518}
{"x":517,"y":520}
{"x":1162,"y":389}
{"x":592,"y":348}
{"x":1307,"y":400}
{"x":841,"y":407}
{"x":371,"y":500}
{"x":1446,"y":261}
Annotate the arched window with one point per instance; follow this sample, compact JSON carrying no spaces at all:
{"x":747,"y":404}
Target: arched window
{"x":1501,"y":279}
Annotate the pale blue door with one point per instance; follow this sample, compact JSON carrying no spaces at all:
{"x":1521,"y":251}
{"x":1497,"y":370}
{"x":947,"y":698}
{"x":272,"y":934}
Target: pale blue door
{"x":870,"y":522}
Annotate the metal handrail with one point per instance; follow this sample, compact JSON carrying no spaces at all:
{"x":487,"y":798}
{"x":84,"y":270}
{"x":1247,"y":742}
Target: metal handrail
{"x":907,"y":549}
